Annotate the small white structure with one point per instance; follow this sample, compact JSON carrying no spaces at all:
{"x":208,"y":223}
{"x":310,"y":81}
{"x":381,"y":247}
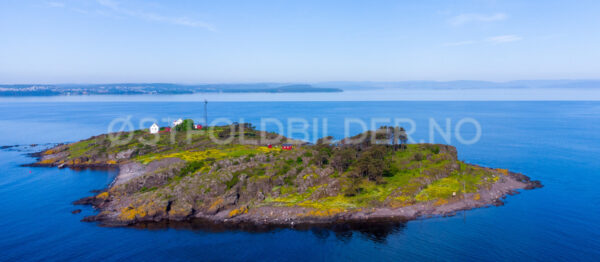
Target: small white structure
{"x":177,"y":122}
{"x":154,"y":128}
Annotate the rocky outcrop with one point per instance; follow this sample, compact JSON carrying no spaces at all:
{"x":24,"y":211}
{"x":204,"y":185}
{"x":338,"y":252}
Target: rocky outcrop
{"x":231,"y":206}
{"x":156,"y":169}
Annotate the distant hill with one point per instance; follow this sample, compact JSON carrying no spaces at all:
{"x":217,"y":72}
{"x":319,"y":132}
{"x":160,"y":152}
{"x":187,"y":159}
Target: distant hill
{"x":283,"y":89}
{"x":155,"y":88}
{"x":463,"y":84}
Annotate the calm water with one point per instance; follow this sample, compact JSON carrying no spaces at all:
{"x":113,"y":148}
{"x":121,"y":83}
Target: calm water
{"x":555,"y":142}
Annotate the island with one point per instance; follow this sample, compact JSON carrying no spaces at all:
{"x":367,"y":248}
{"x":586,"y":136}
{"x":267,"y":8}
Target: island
{"x":186,"y":175}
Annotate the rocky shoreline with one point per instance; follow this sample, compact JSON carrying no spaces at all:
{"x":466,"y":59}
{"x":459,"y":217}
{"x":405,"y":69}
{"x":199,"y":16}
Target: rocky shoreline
{"x":282,"y":217}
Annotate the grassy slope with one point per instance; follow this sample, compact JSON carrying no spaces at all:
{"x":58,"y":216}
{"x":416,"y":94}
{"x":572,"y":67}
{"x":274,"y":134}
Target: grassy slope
{"x":407,"y":185}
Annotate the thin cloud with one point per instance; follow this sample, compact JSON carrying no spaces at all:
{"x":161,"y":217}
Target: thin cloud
{"x":79,"y":10}
{"x":468,"y":18}
{"x":55,"y":4}
{"x":503,"y":39}
{"x":460,"y":43}
{"x":182,"y":21}
{"x":64,"y":6}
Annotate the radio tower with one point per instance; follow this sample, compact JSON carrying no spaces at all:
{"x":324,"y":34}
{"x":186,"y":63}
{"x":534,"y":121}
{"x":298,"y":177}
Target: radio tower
{"x":205,"y":113}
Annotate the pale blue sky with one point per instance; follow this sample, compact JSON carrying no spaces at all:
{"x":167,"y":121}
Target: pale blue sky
{"x":100,"y":41}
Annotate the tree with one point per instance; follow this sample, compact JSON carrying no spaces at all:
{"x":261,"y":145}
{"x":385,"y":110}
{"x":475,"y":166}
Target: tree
{"x":398,"y":137}
{"x":383,"y":135}
{"x":403,"y":138}
{"x":372,"y":162}
{"x":343,"y":158}
{"x":325,"y":140}
{"x":353,"y":187}
{"x":187,"y":124}
{"x":322,"y":155}
{"x":360,"y":141}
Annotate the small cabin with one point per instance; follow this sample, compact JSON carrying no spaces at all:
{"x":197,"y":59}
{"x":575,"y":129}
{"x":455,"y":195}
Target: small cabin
{"x":165,"y":130}
{"x":154,"y":128}
{"x":287,"y":146}
{"x":270,"y":146}
{"x":198,"y":127}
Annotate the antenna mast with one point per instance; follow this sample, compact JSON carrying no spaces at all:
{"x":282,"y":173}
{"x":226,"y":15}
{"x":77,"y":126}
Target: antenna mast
{"x":205,"y":113}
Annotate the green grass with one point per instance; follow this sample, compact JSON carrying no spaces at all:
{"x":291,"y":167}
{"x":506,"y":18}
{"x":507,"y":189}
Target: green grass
{"x":145,"y":189}
{"x":252,"y":173}
{"x":80,"y":148}
{"x":191,"y":167}
{"x":214,"y":153}
{"x":406,"y":182}
{"x":445,"y":187}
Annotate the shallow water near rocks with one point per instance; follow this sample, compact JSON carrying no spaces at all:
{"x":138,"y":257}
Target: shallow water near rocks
{"x":555,"y":142}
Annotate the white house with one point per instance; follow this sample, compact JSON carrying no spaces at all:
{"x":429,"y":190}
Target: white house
{"x":154,"y":128}
{"x":178,"y":122}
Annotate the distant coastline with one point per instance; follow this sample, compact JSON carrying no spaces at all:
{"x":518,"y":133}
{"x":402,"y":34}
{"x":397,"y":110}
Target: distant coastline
{"x":155,"y":89}
{"x":520,"y":89}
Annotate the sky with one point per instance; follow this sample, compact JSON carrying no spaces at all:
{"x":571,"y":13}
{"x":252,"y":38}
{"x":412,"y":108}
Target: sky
{"x":115,"y":41}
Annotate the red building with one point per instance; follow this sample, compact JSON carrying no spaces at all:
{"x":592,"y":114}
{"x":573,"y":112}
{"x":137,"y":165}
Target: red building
{"x":197,"y":126}
{"x":166,"y":129}
{"x":287,"y":147}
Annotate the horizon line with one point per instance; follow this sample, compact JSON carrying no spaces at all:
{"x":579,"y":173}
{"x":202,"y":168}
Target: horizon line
{"x":306,"y":82}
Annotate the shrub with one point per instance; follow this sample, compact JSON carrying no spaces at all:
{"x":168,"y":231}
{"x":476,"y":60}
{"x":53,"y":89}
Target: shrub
{"x":187,"y":124}
{"x":191,"y":167}
{"x":419,"y":156}
{"x":284,"y":169}
{"x":289,"y":180}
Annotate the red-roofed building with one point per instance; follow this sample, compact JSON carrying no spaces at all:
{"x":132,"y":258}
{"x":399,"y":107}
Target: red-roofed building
{"x":287,"y":147}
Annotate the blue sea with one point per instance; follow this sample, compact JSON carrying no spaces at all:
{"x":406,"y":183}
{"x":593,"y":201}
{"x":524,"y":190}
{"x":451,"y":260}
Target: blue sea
{"x":555,"y":142}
